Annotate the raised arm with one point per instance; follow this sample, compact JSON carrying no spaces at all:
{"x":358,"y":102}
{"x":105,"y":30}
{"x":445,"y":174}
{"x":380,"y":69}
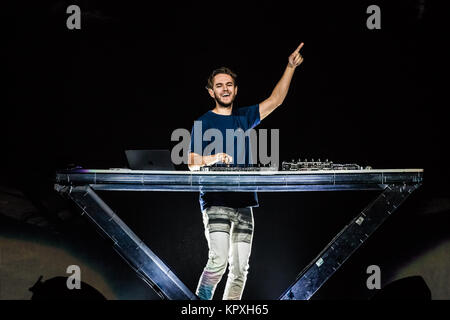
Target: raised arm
{"x":282,"y":87}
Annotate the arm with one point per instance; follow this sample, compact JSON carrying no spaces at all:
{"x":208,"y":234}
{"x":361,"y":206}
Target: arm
{"x":197,"y":161}
{"x":282,"y":87}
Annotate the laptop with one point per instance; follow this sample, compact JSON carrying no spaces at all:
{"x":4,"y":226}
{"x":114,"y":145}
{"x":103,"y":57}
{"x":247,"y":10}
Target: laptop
{"x":149,"y":160}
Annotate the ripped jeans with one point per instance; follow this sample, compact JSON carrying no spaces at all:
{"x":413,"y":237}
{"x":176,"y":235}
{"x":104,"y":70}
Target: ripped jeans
{"x":229,"y":232}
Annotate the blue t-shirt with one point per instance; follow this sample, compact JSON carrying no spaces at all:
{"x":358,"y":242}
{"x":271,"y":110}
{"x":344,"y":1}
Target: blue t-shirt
{"x":242,"y":118}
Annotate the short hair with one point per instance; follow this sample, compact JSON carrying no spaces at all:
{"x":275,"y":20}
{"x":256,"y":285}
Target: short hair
{"x":224,"y":70}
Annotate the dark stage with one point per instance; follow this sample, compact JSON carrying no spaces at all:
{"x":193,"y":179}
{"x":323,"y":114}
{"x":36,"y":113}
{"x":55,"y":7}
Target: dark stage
{"x":134,"y":73}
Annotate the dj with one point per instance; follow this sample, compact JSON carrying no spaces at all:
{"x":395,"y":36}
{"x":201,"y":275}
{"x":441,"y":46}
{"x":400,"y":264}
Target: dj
{"x":228,"y":216}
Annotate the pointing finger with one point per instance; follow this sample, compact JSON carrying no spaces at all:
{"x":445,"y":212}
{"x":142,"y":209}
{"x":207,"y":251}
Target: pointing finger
{"x":299,"y":47}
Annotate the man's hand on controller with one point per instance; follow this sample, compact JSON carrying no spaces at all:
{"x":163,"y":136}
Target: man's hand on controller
{"x":223,"y":158}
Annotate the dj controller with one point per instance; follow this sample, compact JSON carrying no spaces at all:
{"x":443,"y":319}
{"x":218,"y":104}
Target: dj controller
{"x":293,"y":165}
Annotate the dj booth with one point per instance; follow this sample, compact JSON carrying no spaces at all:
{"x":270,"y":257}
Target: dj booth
{"x":395,"y":185}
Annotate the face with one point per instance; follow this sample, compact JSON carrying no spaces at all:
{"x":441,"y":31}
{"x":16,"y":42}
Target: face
{"x":224,"y":91}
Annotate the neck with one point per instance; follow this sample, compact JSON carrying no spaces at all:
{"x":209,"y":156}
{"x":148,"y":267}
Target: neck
{"x":222,"y":110}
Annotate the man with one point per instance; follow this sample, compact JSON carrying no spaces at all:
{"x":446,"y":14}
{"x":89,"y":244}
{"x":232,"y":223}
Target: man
{"x":228,"y":217}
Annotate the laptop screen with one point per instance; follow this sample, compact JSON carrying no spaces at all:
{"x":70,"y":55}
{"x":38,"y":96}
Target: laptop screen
{"x":149,"y":160}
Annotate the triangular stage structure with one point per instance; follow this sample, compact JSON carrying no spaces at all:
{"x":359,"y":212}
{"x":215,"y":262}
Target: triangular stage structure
{"x":80,"y":185}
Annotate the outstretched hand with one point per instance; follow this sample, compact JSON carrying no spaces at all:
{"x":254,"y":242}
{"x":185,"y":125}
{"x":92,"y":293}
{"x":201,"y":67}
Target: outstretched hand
{"x":295,"y":59}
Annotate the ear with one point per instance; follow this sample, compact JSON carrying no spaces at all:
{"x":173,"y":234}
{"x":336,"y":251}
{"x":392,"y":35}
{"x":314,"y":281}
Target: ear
{"x":211,"y":92}
{"x":236,"y":90}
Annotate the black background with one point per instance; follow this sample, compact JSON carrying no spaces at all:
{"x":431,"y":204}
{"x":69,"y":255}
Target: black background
{"x":135,"y":72}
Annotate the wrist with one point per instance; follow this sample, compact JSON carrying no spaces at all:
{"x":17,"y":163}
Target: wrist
{"x":208,"y":160}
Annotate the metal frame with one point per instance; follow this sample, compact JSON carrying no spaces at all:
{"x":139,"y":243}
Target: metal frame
{"x":79,"y":186}
{"x":346,"y":242}
{"x":144,"y":261}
